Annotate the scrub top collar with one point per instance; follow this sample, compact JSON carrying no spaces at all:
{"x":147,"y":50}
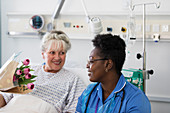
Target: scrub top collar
{"x":119,"y":87}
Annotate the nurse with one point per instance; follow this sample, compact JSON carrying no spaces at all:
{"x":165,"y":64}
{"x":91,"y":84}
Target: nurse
{"x":110,"y":93}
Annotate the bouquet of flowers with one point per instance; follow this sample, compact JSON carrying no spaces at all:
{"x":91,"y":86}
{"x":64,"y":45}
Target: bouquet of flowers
{"x":23,"y":77}
{"x":15,"y":79}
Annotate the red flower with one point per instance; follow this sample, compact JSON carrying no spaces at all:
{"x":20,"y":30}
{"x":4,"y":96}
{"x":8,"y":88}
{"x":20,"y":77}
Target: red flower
{"x":28,"y":76}
{"x":30,"y":85}
{"x":26,"y":70}
{"x":14,"y":78}
{"x":26,"y":62}
{"x":19,"y":72}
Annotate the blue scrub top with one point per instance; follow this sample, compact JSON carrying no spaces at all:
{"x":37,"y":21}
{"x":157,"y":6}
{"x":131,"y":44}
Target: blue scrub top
{"x":135,"y":101}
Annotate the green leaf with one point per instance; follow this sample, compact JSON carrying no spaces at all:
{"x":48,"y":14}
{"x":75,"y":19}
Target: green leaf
{"x":26,"y":66}
{"x":21,"y":67}
{"x":22,"y":78}
{"x":26,"y":81}
{"x":31,"y":70}
{"x":33,"y":76}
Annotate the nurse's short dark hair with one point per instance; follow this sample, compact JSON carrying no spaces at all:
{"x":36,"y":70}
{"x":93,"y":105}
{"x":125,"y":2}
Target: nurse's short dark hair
{"x":111,"y":47}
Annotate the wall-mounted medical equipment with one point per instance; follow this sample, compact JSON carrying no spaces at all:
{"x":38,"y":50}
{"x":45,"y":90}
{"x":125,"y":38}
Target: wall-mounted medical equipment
{"x":55,"y":15}
{"x":37,"y":22}
{"x":156,"y":37}
{"x":95,"y":22}
{"x":75,"y":26}
{"x":146,"y":73}
{"x":29,"y":25}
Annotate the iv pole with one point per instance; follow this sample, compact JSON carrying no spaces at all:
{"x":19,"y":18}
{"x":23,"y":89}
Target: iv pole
{"x":144,"y":71}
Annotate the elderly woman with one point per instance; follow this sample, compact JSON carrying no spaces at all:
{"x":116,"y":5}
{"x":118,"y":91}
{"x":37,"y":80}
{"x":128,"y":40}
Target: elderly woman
{"x":54,"y":84}
{"x":112,"y":93}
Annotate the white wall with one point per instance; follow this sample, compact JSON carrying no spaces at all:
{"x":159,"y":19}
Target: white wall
{"x":158,"y":54}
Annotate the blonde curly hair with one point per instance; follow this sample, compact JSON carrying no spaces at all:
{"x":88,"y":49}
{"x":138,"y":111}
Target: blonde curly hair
{"x":59,"y":38}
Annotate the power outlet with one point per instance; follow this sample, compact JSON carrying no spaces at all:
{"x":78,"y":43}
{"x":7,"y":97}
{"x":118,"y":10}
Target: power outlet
{"x":165,"y":28}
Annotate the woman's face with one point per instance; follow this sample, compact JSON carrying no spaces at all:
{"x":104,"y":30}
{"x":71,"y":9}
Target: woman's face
{"x":95,"y":66}
{"x":54,"y":59}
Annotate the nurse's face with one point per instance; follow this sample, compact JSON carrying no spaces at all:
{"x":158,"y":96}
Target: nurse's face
{"x":54,"y":59}
{"x":96,"y":66}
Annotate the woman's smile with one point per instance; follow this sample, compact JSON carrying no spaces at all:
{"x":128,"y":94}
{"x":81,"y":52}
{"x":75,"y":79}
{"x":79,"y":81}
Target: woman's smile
{"x":56,"y":62}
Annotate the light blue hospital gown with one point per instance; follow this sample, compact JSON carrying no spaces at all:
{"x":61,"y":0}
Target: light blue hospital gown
{"x":60,"y":89}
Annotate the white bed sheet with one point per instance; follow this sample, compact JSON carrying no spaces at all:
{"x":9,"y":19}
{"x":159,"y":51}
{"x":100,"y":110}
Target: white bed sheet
{"x":28,"y":104}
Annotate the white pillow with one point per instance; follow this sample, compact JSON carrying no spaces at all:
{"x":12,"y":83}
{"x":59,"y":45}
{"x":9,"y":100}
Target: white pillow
{"x":28,"y":104}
